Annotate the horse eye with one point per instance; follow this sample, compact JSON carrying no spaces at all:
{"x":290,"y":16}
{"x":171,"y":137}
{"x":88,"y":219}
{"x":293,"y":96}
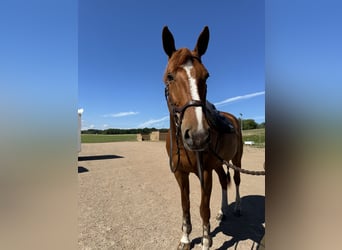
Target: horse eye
{"x":170,"y":77}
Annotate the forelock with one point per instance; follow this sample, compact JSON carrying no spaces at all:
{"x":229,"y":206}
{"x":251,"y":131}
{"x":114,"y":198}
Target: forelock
{"x":179,"y":58}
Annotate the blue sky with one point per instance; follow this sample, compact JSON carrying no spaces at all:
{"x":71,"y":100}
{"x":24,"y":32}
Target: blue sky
{"x":122,"y":62}
{"x":119,"y":83}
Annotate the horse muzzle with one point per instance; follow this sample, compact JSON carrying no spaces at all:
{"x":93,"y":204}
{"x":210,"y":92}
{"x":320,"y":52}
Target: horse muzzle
{"x":195,"y":140}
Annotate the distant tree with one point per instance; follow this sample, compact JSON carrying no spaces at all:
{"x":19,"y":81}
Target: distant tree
{"x":249,"y":124}
{"x":261,"y":125}
{"x":145,"y":131}
{"x":115,"y":131}
{"x":92,"y":131}
{"x":109,"y":131}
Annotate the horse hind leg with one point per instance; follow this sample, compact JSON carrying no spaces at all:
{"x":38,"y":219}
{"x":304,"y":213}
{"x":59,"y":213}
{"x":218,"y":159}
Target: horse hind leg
{"x":237,"y":180}
{"x":224,"y":181}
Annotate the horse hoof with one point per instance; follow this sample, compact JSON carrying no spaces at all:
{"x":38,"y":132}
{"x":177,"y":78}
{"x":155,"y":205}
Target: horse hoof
{"x":207,"y":242}
{"x":183,"y":246}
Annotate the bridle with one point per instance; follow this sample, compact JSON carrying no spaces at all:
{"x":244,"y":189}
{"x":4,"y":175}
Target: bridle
{"x":178,"y":115}
{"x":178,"y":112}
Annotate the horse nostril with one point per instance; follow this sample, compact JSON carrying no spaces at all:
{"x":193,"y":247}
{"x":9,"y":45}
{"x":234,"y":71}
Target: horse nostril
{"x":187,"y":134}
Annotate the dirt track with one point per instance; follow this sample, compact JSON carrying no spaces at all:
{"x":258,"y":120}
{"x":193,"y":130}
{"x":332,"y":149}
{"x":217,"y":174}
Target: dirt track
{"x":128,"y":199}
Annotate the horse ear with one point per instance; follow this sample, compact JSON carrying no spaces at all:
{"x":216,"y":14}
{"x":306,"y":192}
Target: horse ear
{"x":202,"y":42}
{"x":168,"y":42}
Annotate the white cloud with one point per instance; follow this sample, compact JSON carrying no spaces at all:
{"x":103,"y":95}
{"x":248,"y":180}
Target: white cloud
{"x":121,"y":114}
{"x":238,"y":98}
{"x":154,"y":122}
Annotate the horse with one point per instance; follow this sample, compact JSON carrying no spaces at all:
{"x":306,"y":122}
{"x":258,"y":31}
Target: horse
{"x":194,"y":145}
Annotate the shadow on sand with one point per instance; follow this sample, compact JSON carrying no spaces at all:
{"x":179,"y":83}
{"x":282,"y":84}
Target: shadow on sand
{"x":82,"y":169}
{"x":248,"y":226}
{"x":98,"y":157}
{"x":95,"y":158}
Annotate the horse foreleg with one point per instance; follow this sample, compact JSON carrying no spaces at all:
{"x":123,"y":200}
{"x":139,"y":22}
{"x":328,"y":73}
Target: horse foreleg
{"x":237,"y":208}
{"x":205,"y":209}
{"x":183,"y":182}
{"x":224,"y":201}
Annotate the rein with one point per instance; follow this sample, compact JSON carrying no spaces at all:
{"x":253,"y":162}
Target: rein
{"x":178,"y":114}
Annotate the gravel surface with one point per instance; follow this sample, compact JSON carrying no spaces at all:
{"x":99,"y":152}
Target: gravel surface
{"x":129,"y":199}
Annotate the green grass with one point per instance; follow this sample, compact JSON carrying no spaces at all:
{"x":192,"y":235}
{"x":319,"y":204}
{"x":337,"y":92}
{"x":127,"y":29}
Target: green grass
{"x":93,"y":138}
{"x":256,"y":135}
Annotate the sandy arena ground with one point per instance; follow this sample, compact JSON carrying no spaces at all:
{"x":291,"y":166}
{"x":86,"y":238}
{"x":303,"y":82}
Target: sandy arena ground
{"x":129,"y":199}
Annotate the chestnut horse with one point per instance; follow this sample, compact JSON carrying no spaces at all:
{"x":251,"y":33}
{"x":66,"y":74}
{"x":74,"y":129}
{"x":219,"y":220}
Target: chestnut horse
{"x":193,"y":145}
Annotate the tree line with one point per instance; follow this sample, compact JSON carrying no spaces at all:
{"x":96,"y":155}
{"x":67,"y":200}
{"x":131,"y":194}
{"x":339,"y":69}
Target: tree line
{"x":251,"y":124}
{"x":118,"y":131}
{"x":246,"y":124}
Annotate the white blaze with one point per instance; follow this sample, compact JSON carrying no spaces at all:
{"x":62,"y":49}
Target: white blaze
{"x":194,"y":93}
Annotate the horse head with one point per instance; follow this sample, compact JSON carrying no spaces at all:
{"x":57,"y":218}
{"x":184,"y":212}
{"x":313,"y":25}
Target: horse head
{"x":186,"y":89}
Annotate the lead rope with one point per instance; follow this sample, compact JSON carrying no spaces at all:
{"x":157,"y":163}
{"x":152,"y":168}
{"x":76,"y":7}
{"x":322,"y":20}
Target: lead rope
{"x":230,"y":165}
